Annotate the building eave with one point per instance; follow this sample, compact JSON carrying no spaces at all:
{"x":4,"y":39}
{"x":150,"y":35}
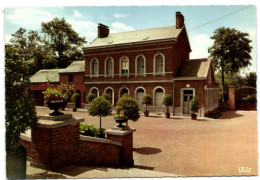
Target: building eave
{"x":188,"y":78}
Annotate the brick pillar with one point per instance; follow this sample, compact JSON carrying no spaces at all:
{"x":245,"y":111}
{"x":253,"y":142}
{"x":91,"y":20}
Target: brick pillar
{"x":55,"y":140}
{"x":125,"y":136}
{"x":231,"y":97}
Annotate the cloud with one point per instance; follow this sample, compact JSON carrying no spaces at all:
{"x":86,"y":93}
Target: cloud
{"x":77,"y":14}
{"x":117,"y":16}
{"x":199,"y":45}
{"x":120,"y":27}
{"x":29,"y":18}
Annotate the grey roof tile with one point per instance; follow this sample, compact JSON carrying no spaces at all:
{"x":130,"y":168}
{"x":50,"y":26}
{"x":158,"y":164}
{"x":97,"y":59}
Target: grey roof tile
{"x":44,"y":75}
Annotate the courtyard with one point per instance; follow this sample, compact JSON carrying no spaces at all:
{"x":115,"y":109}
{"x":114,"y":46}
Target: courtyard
{"x":181,"y":146}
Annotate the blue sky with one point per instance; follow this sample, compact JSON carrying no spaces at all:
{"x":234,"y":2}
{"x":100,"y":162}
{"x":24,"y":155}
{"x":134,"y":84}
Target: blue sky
{"x":201,"y":21}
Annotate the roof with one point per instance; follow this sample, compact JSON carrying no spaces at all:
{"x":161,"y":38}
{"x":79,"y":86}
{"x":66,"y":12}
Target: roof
{"x":147,"y":35}
{"x":44,"y":75}
{"x":75,"y":67}
{"x":194,"y":68}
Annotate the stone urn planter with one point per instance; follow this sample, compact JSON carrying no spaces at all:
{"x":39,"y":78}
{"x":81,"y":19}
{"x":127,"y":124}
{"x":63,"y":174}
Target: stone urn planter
{"x":194,"y":116}
{"x":120,"y":120}
{"x":167,"y":115}
{"x":55,"y":103}
{"x":146,"y":113}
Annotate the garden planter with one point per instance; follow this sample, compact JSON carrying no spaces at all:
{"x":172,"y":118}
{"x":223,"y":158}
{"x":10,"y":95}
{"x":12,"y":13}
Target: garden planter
{"x":167,"y":115}
{"x":55,"y":105}
{"x":16,"y":164}
{"x":74,"y":109}
{"x":120,"y":120}
{"x":146,"y":113}
{"x":194,"y":116}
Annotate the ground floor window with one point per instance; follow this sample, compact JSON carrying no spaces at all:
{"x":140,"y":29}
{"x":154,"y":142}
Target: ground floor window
{"x":158,"y":96}
{"x":140,"y":92}
{"x":110,"y":92}
{"x":123,"y":91}
{"x":94,"y":91}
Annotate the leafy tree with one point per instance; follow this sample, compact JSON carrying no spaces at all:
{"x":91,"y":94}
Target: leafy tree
{"x":107,"y":97}
{"x":90,"y":97}
{"x":250,"y":79}
{"x":194,"y":105}
{"x":20,"y":107}
{"x":167,"y":101}
{"x":99,"y":107}
{"x":75,"y":98}
{"x":63,"y":40}
{"x":130,"y":107}
{"x":230,"y":51}
{"x":147,"y":99}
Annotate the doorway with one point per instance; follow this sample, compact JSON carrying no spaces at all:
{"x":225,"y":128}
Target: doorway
{"x":187,"y":97}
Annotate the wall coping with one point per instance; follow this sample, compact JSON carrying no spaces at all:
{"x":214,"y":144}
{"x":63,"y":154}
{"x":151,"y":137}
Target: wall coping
{"x":99,"y":140}
{"x":119,"y":132}
{"x":50,"y":124}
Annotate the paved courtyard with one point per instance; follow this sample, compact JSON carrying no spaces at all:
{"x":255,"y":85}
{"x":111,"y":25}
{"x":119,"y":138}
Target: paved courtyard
{"x":189,"y":148}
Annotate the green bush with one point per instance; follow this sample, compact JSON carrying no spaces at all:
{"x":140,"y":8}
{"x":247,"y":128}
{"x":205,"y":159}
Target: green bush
{"x":74,"y":97}
{"x":99,"y":107}
{"x":129,"y":106}
{"x":107,"y":97}
{"x":90,"y":97}
{"x":194,"y":105}
{"x":147,"y":100}
{"x":89,"y":130}
{"x":167,"y":101}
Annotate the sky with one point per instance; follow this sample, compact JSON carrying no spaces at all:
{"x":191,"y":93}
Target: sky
{"x":200,"y":21}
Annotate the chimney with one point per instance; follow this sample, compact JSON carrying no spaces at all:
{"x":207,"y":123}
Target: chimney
{"x":179,"y":20}
{"x":103,"y":31}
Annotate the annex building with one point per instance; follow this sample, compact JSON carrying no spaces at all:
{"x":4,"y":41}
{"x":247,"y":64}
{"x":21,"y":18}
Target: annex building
{"x":151,"y":61}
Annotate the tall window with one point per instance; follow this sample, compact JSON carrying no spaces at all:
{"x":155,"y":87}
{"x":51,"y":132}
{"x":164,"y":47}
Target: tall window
{"x":94,"y":67}
{"x":71,"y":78}
{"x":124,"y":65}
{"x":140,"y":65}
{"x":159,"y":64}
{"x":109,"y":67}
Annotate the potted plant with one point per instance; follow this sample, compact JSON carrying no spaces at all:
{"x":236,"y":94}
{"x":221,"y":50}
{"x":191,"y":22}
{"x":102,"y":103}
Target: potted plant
{"x":74,"y":99}
{"x":147,"y":99}
{"x":167,"y":101}
{"x":127,"y":107}
{"x":99,"y":107}
{"x":90,"y":97}
{"x":194,"y":106}
{"x":20,"y":111}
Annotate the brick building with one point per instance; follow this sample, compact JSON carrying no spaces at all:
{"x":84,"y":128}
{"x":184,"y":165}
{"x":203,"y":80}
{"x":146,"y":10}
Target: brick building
{"x":152,"y":61}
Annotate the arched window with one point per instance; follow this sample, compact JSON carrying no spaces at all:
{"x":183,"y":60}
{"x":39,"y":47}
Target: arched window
{"x":158,"y":96}
{"x":95,"y":91}
{"x":123,"y":91}
{"x":109,"y":67}
{"x":124,"y":66}
{"x":110,"y":91}
{"x":94,"y":67}
{"x":140,"y":65}
{"x":139,"y":94}
{"x":159,"y":64}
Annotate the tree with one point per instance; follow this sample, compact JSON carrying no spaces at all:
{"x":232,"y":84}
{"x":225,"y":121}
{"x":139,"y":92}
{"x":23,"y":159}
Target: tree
{"x":250,"y":79}
{"x":107,"y":97}
{"x":63,"y":40}
{"x":130,"y":107}
{"x":167,"y":101}
{"x":90,"y":97}
{"x":194,"y":105}
{"x":230,"y":51}
{"x":147,"y":99}
{"x":99,"y":107}
{"x":20,"y":107}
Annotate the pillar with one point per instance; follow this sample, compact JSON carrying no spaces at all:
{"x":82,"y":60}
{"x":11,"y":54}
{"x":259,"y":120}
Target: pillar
{"x":231,"y":97}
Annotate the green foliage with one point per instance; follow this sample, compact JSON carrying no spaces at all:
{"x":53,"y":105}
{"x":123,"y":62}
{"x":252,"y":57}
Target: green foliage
{"x":107,"y":97}
{"x":194,"y":105}
{"x":129,"y":106}
{"x":61,"y":90}
{"x":63,"y":40}
{"x":89,"y":130}
{"x":230,"y":51}
{"x":99,"y":107}
{"x":250,"y":79}
{"x":147,"y":99}
{"x":75,"y":96}
{"x":167,"y":101}
{"x":90,"y":97}
{"x":20,"y":107}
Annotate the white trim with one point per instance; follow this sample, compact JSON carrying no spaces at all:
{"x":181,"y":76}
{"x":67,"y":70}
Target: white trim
{"x":91,"y":70}
{"x":105,"y":70}
{"x":136,"y":68}
{"x":120,"y":72}
{"x":129,"y":82}
{"x":181,"y":99}
{"x":154,"y":63}
{"x":189,"y":78}
{"x":121,"y":90}
{"x":130,"y":74}
{"x":92,"y":89}
{"x":139,"y":87}
{"x":113,"y":94}
{"x":157,"y":87}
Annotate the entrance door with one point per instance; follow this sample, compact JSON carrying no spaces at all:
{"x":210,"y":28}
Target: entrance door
{"x":187,"y":97}
{"x":158,"y":97}
{"x":139,"y":96}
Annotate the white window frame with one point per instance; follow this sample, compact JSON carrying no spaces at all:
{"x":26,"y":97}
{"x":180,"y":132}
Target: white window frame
{"x":92,"y":89}
{"x":106,"y":61}
{"x":154,"y":64}
{"x":91,"y":66}
{"x":113,"y":94}
{"x":139,"y":87}
{"x":119,"y":92}
{"x":120,"y":67}
{"x":136,"y":66}
{"x":154,"y":90}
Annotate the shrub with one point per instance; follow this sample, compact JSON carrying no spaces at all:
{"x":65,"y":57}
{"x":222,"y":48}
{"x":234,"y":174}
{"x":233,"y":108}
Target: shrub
{"x":167,"y":101}
{"x":147,"y":99}
{"x":90,"y":97}
{"x":74,"y":97}
{"x":99,"y":107}
{"x":107,"y":97}
{"x":194,"y":105}
{"x":129,"y":106}
{"x":89,"y":130}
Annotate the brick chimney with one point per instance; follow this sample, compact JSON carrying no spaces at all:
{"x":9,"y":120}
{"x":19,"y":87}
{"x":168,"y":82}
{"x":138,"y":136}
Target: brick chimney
{"x":103,"y":31}
{"x":179,"y":20}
